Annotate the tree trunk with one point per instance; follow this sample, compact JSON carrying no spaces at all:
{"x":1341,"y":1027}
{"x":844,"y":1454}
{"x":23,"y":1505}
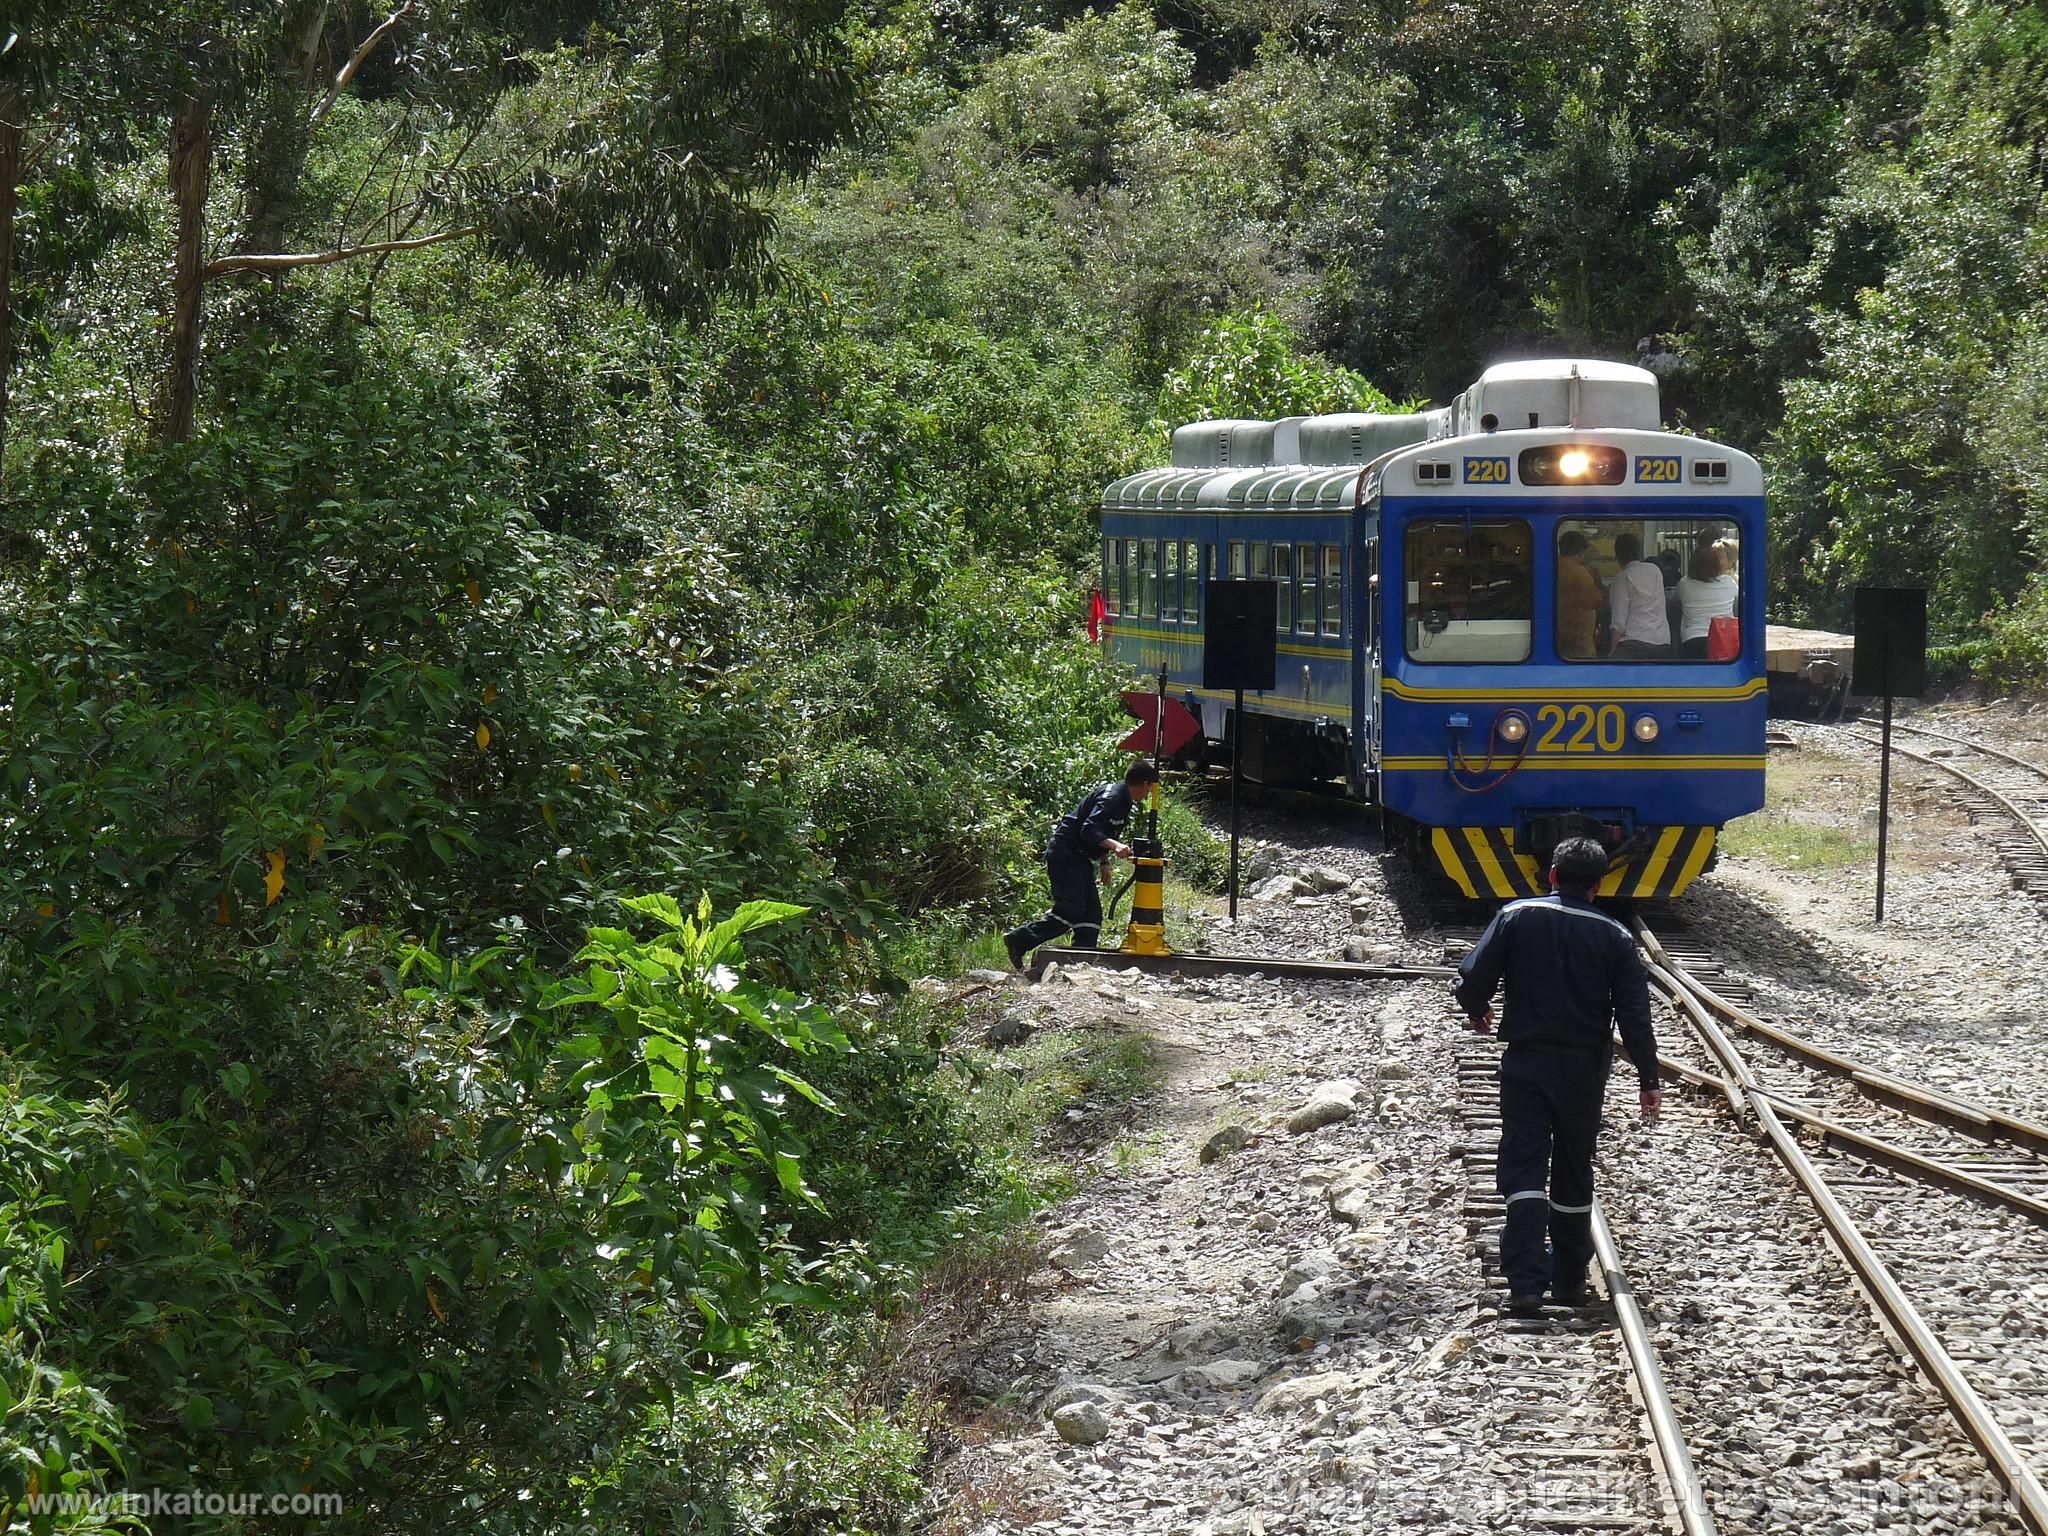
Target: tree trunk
{"x":13,"y":124}
{"x":191,"y":177}
{"x":277,"y":158}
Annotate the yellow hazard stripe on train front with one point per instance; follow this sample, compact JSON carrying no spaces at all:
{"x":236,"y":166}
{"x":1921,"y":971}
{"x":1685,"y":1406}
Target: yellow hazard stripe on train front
{"x":1481,"y":862}
{"x":1401,"y":690}
{"x":1601,"y":763}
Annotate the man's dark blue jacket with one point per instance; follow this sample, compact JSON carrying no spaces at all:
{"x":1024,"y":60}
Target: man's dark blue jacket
{"x":1572,"y":972}
{"x":1088,"y":828}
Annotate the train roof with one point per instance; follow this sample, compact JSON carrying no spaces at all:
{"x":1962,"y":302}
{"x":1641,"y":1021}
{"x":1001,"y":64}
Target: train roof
{"x":1706,"y":468}
{"x":1315,"y":463}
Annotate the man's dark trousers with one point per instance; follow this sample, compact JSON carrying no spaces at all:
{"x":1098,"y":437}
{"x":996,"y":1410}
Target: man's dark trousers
{"x":1076,"y":901}
{"x":1549,"y":1125}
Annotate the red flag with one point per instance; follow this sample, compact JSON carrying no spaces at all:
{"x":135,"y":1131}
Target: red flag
{"x":1098,"y":612}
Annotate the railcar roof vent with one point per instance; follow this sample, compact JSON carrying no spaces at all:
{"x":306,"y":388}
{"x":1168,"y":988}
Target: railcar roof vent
{"x":1560,"y":392}
{"x":1227,"y":444}
{"x":1356,"y":437}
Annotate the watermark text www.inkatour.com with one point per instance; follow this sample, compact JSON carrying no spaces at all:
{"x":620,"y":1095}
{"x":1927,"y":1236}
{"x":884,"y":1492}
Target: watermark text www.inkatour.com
{"x":147,"y":1503}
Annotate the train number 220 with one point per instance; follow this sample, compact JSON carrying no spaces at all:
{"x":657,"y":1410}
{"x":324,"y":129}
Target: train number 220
{"x":1592,"y":730}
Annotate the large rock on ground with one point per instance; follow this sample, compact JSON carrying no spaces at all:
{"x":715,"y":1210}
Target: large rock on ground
{"x":1354,"y":1192}
{"x":1081,"y":1423}
{"x":1327,"y":1103}
{"x":1232,"y":1138}
{"x":1279,"y":888}
{"x":1223,"y":1375}
{"x":1305,"y":1391}
{"x":1080,"y":1251}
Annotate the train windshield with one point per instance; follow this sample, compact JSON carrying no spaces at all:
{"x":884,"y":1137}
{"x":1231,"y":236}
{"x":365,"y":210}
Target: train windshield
{"x":1471,"y":589}
{"x":1648,"y":589}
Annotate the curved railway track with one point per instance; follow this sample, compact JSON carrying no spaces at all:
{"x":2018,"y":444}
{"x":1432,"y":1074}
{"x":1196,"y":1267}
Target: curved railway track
{"x":1993,"y":786}
{"x":1939,"y":1214}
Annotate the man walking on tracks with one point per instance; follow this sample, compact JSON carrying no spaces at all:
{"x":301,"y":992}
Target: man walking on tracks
{"x":1083,"y":840}
{"x":1571,"y":972}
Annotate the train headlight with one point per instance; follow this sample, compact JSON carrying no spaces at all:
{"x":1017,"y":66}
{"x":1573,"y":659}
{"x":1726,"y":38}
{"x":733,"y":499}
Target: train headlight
{"x":1514,"y":725}
{"x":1646,"y":728}
{"x":1573,"y":463}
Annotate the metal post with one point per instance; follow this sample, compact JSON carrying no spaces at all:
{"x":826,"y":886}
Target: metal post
{"x":1236,"y":777}
{"x":1159,"y":724}
{"x":1884,"y":801}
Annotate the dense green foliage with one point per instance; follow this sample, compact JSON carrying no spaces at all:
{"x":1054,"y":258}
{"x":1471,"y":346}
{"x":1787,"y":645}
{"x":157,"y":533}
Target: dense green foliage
{"x":695,"y":506}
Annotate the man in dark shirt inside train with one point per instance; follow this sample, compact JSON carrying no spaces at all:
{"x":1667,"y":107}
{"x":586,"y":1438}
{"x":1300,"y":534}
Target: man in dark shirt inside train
{"x":1084,"y":840}
{"x":1571,"y":972}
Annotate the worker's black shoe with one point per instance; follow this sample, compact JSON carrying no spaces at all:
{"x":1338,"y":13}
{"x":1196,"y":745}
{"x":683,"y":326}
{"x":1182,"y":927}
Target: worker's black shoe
{"x":1525,"y":1304}
{"x":1570,"y":1296}
{"x":1018,"y":950}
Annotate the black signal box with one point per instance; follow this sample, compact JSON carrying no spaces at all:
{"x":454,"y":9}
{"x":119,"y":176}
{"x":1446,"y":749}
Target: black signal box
{"x":1238,"y":640}
{"x":1891,"y":642}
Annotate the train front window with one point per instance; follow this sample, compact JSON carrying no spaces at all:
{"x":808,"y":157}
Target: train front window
{"x":1471,"y":589}
{"x":1649,"y":589}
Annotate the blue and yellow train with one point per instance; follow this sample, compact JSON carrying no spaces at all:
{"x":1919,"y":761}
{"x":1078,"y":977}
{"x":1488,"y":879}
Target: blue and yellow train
{"x":1530,"y":614}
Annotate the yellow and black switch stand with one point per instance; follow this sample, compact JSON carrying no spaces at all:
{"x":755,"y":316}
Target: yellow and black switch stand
{"x":1145,"y":934}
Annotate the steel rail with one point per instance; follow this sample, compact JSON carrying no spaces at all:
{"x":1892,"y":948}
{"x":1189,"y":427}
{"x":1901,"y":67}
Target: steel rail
{"x":1976,"y":1420}
{"x":1873,"y":1148}
{"x":1943,"y":1108}
{"x":1233,"y":965}
{"x":2033,"y":828}
{"x":1667,"y":1435}
{"x":1975,"y":746}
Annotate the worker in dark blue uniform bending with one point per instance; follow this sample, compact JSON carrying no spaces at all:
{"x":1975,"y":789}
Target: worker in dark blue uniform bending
{"x":1078,"y":858}
{"x":1571,"y":972}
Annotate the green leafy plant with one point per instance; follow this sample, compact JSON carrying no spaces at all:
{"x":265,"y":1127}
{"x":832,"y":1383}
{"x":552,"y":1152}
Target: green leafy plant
{"x":686,"y":1123}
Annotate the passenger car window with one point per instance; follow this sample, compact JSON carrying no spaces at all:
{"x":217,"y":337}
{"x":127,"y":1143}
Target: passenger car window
{"x":1648,"y":589}
{"x":1333,"y":590}
{"x":1471,"y":590}
{"x":1283,"y":573}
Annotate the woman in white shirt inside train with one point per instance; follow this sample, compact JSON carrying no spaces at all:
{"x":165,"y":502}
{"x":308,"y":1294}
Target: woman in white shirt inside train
{"x":1707,"y":593}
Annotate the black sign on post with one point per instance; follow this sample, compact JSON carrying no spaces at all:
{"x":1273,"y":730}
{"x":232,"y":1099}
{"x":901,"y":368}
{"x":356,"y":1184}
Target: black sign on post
{"x":1891,"y":659}
{"x":1238,"y":641}
{"x":1239,"y":651}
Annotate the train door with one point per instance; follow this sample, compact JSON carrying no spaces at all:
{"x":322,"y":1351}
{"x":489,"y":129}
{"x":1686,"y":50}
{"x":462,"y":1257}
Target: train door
{"x":1372,"y":653}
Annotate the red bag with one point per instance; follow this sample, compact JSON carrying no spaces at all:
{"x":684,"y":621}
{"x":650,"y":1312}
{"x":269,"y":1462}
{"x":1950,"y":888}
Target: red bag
{"x":1724,"y":639}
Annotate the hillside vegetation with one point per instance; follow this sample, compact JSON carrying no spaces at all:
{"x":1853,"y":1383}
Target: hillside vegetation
{"x":542,"y":560}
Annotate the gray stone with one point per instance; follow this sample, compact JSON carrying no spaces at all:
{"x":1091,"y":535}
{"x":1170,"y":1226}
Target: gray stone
{"x":1223,"y":1375}
{"x":1305,"y":1391}
{"x":1077,"y":1389}
{"x":1352,"y":1192}
{"x":1279,"y":888}
{"x":988,"y":977}
{"x":1080,"y":1250}
{"x":1327,"y":1103}
{"x":1316,"y":1264}
{"x":1305,"y":1314}
{"x":1081,"y":1423}
{"x":1010,"y":1029}
{"x":1200,"y":1340}
{"x":1231,"y":1138}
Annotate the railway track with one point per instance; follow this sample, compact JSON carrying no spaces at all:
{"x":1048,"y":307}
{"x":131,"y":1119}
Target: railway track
{"x":1575,"y":1402}
{"x":1936,"y":1204}
{"x":1994,"y":787}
